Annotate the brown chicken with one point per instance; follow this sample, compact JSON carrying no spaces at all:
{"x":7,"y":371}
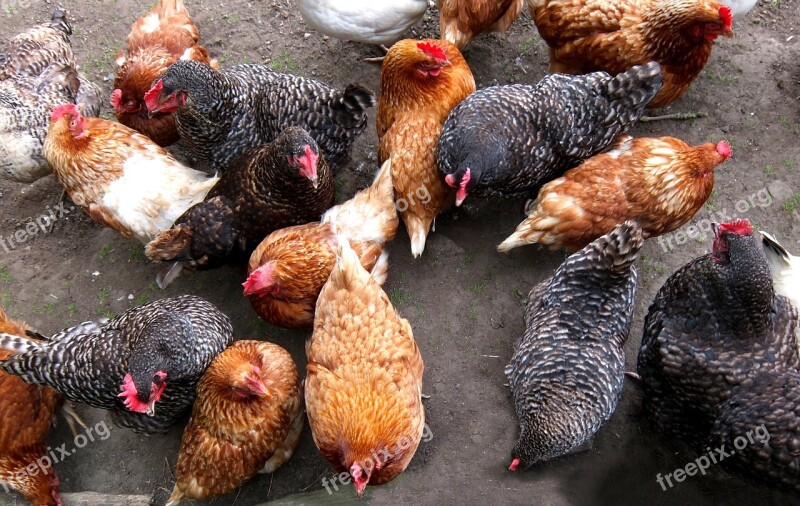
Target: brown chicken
{"x":247,"y":418}
{"x":26,"y":414}
{"x":157,"y":40}
{"x":462,"y":20}
{"x":119,"y":176}
{"x":364,"y":378}
{"x":421,"y":82}
{"x":287,"y":270}
{"x":660,"y":182}
{"x":589,"y":35}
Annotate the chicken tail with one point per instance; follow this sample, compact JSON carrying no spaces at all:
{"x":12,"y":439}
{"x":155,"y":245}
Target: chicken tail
{"x":776,"y":253}
{"x":417,"y":232}
{"x":546,"y":224}
{"x":380,"y":271}
{"x":632,"y":90}
{"x":168,"y":274}
{"x":18,"y":344}
{"x":371,"y":215}
{"x":615,"y":251}
{"x":348,"y":109}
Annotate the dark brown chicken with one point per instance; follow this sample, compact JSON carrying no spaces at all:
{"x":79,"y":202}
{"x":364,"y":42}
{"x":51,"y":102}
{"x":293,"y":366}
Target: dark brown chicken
{"x":279,"y":185}
{"x":157,"y":40}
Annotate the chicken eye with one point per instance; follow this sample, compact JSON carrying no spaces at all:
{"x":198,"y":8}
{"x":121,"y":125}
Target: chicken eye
{"x":72,"y":124}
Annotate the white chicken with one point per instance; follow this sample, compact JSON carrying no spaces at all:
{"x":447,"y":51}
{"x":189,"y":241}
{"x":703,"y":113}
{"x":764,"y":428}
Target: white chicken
{"x":785,"y":269}
{"x":369,"y":21}
{"x":739,"y":7}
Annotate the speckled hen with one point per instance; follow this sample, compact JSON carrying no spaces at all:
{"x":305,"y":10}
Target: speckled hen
{"x":510,"y":140}
{"x":37,"y":72}
{"x":714,"y":326}
{"x":223,"y":113}
{"x":142,"y":365}
{"x":282,"y":184}
{"x":567,"y":370}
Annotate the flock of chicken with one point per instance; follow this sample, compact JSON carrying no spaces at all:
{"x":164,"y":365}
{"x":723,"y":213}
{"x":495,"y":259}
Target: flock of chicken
{"x":720,"y":351}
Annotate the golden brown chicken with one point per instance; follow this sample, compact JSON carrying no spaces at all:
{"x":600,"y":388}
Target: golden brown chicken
{"x":247,"y":418}
{"x":659,"y":182}
{"x":26,"y":414}
{"x":289,"y":267}
{"x":462,"y":20}
{"x":589,"y":35}
{"x":364,"y":378}
{"x":421,"y":82}
{"x":157,"y":40}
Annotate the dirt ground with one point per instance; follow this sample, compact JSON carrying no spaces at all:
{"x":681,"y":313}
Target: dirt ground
{"x":464,"y":300}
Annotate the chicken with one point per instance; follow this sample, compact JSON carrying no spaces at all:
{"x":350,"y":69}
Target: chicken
{"x":281,"y":184}
{"x":567,"y":370}
{"x":287,"y":270}
{"x":363,"y":20}
{"x":222,"y":114}
{"x":157,"y":40}
{"x":714,"y":327}
{"x":421,"y":82}
{"x":142,"y":365}
{"x":510,"y":140}
{"x":37,"y":72}
{"x":785,"y":268}
{"x":659,"y":182}
{"x":590,"y":35}
{"x":462,"y":20}
{"x":248,"y":416}
{"x":119,"y":176}
{"x":26,"y":414}
{"x":364,"y":378}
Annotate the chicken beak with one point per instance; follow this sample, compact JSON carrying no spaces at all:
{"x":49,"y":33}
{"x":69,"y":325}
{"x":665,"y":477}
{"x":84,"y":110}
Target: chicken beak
{"x":151,"y":409}
{"x":315,"y":182}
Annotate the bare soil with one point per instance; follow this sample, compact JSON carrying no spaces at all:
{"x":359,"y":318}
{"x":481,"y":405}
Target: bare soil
{"x":464,"y":300}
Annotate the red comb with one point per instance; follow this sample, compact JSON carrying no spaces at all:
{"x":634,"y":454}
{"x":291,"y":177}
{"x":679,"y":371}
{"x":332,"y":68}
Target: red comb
{"x":724,"y":149}
{"x":727,"y":17}
{"x":738,"y":227}
{"x":61,"y":110}
{"x":151,"y":97}
{"x":432,"y":49}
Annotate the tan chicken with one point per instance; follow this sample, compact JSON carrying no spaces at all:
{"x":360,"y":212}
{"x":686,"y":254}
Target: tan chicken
{"x":26,"y":414}
{"x":462,"y":20}
{"x":589,"y":35}
{"x":364,"y":378}
{"x":120,"y":177}
{"x":287,"y":270}
{"x":421,"y":82}
{"x":659,"y":182}
{"x":247,"y":418}
{"x":157,"y":40}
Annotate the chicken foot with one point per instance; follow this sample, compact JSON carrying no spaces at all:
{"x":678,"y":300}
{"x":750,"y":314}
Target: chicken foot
{"x":73,"y":419}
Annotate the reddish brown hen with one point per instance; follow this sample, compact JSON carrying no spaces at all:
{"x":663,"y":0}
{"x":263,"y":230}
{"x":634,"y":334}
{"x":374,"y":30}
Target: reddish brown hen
{"x":289,"y":267}
{"x":659,"y":182}
{"x":462,"y":20}
{"x":26,"y":414}
{"x":589,"y":35}
{"x":421,"y":82}
{"x":157,"y":40}
{"x":364,"y":378}
{"x":247,"y":418}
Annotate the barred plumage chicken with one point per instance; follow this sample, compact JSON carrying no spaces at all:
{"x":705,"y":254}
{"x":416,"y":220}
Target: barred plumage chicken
{"x":567,"y":370}
{"x":220,"y":114}
{"x":142,"y":365}
{"x":510,"y":140}
{"x":37,"y":72}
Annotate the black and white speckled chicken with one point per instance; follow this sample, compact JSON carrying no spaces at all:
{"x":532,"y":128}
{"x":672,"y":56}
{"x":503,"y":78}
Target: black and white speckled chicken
{"x":510,"y":140}
{"x":714,"y":326}
{"x":567,"y":370}
{"x":37,"y":72}
{"x":220,"y":114}
{"x":143,"y":365}
{"x":279,"y":185}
